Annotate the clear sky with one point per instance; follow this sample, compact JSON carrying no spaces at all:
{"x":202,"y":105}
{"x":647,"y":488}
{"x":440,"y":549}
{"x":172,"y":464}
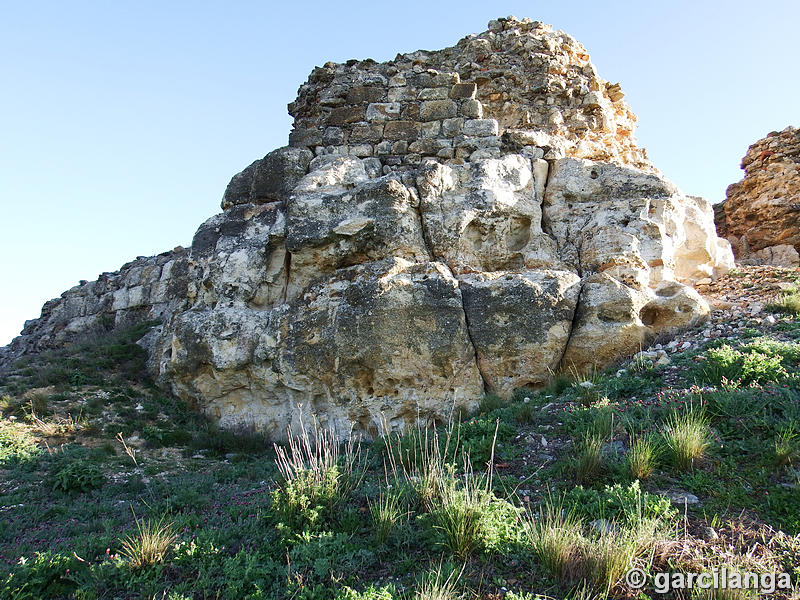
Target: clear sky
{"x":122,"y":122}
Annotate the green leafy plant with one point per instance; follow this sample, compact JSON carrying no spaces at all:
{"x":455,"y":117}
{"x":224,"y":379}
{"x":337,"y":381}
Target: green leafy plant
{"x":621,"y":504}
{"x":469,"y":517}
{"x":16,"y":443}
{"x":47,"y":575}
{"x":78,"y":476}
{"x":744,"y":366}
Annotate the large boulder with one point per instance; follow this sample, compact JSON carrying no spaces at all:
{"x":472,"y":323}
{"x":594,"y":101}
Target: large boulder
{"x":378,"y":345}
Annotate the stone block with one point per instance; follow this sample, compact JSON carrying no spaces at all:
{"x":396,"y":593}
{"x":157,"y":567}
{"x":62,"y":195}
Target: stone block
{"x":452,"y":127}
{"x":366,"y":133}
{"x":384,"y":148}
{"x":438,"y":93}
{"x":436,"y":110}
{"x":305,"y":136}
{"x":358,"y":95}
{"x":410,"y":111}
{"x":431,"y":129}
{"x":428,"y":146}
{"x":472,"y":109}
{"x":401,"y":130}
{"x":463,"y":91}
{"x":361,"y":150}
{"x":400,"y":147}
{"x":400,"y":94}
{"x":383,"y":111}
{"x":346,"y":114}
{"x":333,"y":136}
{"x":481,"y":127}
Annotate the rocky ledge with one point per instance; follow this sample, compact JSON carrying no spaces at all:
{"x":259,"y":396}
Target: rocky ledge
{"x":761,"y":213}
{"x":442,"y":225}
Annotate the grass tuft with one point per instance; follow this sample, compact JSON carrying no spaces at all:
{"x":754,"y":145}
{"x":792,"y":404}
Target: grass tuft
{"x":151,"y":544}
{"x":555,"y":538}
{"x":787,"y":444}
{"x":687,"y":438}
{"x":590,"y":463}
{"x":642,"y":457}
{"x":386,"y":512}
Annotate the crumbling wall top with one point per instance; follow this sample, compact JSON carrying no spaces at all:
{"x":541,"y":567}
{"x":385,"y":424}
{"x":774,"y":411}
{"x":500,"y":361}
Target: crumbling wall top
{"x":518,"y":86}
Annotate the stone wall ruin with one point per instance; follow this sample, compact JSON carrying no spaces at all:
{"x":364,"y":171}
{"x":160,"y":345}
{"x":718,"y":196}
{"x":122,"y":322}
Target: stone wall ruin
{"x":442,"y":225}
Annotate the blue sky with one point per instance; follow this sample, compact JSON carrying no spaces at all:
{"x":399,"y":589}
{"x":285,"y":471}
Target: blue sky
{"x":122,"y":122}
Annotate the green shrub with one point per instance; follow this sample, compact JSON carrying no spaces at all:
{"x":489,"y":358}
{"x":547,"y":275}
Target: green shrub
{"x":526,"y":412}
{"x":16,"y":444}
{"x":469,"y":518}
{"x":491,"y":402}
{"x":748,"y":365}
{"x":47,"y":575}
{"x":557,"y":385}
{"x":788,"y":303}
{"x":731,"y":402}
{"x":371,"y":593}
{"x":625,"y":505}
{"x":219,"y":442}
{"x":316,"y":561}
{"x":316,"y":478}
{"x":77,"y":476}
{"x":476,"y":438}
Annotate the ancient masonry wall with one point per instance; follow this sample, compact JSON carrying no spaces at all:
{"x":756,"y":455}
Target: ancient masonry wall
{"x":146,"y":288}
{"x":518,"y":86}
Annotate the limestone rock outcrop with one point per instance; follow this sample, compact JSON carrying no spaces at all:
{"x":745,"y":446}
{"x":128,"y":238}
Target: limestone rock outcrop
{"x":442,"y":225}
{"x":761,"y":213}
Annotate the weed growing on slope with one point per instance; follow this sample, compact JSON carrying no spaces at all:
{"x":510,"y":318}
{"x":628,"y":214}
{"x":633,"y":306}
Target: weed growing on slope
{"x":788,"y":303}
{"x":317,"y":476}
{"x":77,"y":476}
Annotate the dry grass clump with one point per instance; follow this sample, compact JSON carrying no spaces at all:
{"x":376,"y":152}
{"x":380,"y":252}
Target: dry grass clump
{"x":150,"y":545}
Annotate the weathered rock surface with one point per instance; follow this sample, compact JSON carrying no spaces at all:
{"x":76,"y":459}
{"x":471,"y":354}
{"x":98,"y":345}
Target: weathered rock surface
{"x":761,"y":214}
{"x":441,"y":225}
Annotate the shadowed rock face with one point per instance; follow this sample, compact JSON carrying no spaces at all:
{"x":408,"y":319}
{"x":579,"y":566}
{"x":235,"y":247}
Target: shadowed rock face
{"x":761,"y":214}
{"x":442,"y":225}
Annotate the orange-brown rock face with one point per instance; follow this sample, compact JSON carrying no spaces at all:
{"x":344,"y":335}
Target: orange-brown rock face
{"x":761,"y":215}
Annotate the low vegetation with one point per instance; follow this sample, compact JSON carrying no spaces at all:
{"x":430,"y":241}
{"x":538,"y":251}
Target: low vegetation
{"x":112,"y":489}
